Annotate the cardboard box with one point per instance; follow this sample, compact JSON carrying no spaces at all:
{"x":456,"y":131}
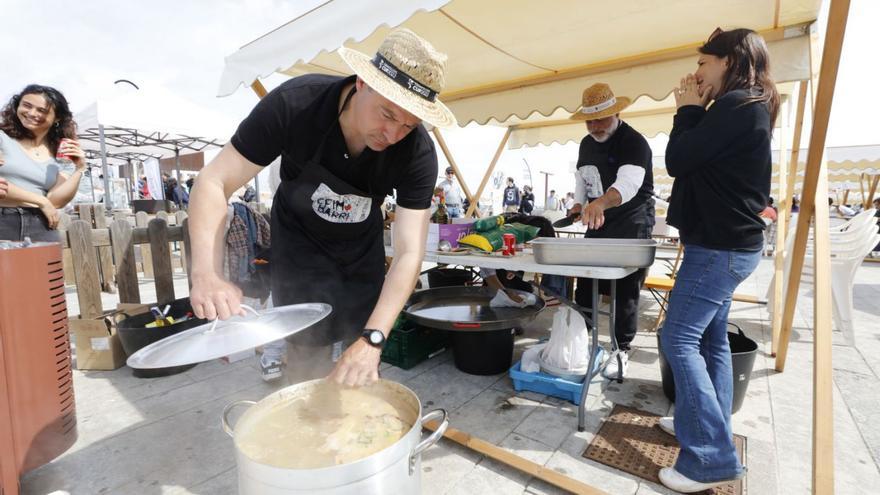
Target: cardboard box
{"x":97,"y":343}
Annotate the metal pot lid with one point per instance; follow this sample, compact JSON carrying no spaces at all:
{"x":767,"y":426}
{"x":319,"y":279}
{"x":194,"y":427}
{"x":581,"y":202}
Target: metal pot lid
{"x":222,"y":338}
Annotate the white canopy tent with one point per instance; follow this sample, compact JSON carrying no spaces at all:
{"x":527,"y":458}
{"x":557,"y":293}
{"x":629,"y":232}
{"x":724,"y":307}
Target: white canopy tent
{"x":148,"y":123}
{"x":516,"y":62}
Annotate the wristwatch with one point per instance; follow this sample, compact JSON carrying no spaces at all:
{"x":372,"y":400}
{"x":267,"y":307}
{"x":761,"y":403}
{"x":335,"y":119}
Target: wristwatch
{"x":374,"y":337}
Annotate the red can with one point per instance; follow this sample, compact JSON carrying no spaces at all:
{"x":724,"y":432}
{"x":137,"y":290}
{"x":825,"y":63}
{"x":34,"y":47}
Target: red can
{"x":509,"y":245}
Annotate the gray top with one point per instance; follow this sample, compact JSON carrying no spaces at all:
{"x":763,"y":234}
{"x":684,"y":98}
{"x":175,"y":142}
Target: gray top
{"x":24,"y":171}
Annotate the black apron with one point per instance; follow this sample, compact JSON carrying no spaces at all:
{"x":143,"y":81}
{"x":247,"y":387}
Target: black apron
{"x":327,"y":246}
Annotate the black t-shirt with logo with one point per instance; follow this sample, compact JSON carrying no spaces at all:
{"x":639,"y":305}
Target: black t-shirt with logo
{"x":292,"y":119}
{"x":625,"y":147}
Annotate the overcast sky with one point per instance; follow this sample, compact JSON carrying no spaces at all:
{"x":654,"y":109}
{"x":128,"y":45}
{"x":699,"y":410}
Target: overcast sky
{"x":179,"y":45}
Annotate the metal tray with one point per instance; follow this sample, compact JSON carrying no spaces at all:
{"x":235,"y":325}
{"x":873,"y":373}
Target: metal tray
{"x":466,"y":309}
{"x":638,"y":253}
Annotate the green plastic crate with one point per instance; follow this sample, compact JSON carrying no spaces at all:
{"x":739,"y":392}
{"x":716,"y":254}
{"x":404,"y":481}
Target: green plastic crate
{"x":409,"y":345}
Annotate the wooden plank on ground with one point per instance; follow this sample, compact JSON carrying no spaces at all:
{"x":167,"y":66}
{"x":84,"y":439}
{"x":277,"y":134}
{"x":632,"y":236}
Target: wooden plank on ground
{"x":142,"y":220}
{"x":88,"y":287}
{"x":546,"y":474}
{"x":126,"y":271}
{"x":162,"y":273}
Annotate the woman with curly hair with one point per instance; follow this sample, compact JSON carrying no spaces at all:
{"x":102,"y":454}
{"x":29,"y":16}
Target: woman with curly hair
{"x":719,"y":155}
{"x":37,"y":133}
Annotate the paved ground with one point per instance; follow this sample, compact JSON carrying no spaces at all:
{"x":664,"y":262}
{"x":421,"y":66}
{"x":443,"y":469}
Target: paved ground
{"x":162,"y":436}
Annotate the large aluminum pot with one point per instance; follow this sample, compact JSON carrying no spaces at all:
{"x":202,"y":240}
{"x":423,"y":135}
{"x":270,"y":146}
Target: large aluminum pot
{"x":395,"y":469}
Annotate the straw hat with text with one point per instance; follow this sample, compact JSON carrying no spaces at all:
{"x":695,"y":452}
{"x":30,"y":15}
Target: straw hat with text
{"x":409,"y":72}
{"x":599,"y":102}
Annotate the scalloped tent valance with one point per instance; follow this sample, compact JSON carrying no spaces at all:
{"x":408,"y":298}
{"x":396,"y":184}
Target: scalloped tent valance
{"x":516,"y":58}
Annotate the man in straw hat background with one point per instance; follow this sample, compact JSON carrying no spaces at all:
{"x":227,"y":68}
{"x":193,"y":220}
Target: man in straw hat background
{"x":345,"y":144}
{"x":614,"y":186}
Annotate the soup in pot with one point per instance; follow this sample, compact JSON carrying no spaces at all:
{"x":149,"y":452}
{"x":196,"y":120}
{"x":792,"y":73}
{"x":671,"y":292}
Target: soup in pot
{"x":324,"y":425}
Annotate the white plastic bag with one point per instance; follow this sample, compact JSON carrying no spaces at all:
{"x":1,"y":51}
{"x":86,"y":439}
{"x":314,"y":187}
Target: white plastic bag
{"x":569,"y":345}
{"x":531,"y":359}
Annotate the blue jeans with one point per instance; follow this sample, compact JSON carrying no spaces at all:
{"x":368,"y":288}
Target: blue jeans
{"x":694,"y":342}
{"x":453,"y":211}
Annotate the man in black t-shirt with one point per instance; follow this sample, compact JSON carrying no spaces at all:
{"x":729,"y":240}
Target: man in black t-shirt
{"x":345,"y":144}
{"x":614,"y":191}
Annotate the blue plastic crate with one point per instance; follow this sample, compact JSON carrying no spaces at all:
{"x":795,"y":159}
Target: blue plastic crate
{"x":551,"y":385}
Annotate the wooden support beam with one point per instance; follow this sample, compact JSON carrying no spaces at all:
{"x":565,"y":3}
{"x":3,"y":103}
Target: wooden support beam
{"x":823,"y":399}
{"x":815,"y":165}
{"x":448,"y":155}
{"x":870,"y":199}
{"x":489,"y":171}
{"x":784,"y":207}
{"x":796,"y":139}
{"x":503,"y":456}
{"x":815,"y":204}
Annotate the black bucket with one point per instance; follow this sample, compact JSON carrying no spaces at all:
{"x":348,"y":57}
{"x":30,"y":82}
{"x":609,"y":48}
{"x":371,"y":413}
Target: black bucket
{"x":134,"y":335}
{"x":483,"y":353}
{"x":449,"y":277}
{"x":742,"y":353}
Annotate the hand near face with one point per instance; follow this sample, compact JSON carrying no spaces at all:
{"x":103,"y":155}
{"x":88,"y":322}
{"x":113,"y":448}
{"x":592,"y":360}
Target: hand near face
{"x":71,"y":149}
{"x":688,"y":93}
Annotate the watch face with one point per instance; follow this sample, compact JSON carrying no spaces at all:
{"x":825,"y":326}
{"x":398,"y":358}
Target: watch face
{"x":376,"y":337}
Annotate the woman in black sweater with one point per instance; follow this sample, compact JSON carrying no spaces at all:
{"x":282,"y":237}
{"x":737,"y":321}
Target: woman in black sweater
{"x":719,"y":155}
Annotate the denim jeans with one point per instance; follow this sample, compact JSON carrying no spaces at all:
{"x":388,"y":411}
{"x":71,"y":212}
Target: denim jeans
{"x":453,"y":211}
{"x":694,"y":342}
{"x":18,"y":223}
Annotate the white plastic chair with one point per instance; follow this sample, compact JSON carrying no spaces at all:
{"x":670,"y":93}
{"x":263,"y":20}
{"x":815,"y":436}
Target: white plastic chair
{"x":846,"y":257}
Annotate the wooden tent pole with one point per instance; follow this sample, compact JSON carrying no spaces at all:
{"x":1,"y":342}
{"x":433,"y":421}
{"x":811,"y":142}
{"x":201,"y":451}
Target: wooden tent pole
{"x":259,"y":89}
{"x":845,"y":197}
{"x":781,"y":230}
{"x":786,"y":207}
{"x":448,"y":155}
{"x":489,"y":171}
{"x":796,"y":140}
{"x":862,"y":177}
{"x":870,"y":199}
{"x":815,"y":184}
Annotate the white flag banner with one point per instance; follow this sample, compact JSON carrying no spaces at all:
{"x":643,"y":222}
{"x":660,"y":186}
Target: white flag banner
{"x":154,"y":178}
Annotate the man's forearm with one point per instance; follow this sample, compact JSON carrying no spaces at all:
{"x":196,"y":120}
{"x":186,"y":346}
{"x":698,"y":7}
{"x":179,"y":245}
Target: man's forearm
{"x":610,"y":199}
{"x":399,"y":284}
{"x":207,"y":216}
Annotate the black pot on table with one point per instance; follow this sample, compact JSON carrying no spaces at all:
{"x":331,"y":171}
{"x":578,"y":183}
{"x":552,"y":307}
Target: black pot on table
{"x":134,"y":335}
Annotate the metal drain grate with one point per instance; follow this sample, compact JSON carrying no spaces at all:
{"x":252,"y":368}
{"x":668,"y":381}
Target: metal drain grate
{"x":630,"y":440}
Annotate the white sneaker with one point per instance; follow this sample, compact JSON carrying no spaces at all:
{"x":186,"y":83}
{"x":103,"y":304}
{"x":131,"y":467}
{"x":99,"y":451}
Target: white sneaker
{"x":270,"y":369}
{"x":610,"y":371}
{"x":681,"y":483}
{"x":666,"y":424}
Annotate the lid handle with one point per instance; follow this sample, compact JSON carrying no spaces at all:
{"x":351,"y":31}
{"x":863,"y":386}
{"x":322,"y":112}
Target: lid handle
{"x":216,"y":320}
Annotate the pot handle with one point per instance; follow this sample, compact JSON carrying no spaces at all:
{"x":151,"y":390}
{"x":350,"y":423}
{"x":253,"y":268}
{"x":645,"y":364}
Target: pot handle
{"x":437,"y":414}
{"x":224,"y":420}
